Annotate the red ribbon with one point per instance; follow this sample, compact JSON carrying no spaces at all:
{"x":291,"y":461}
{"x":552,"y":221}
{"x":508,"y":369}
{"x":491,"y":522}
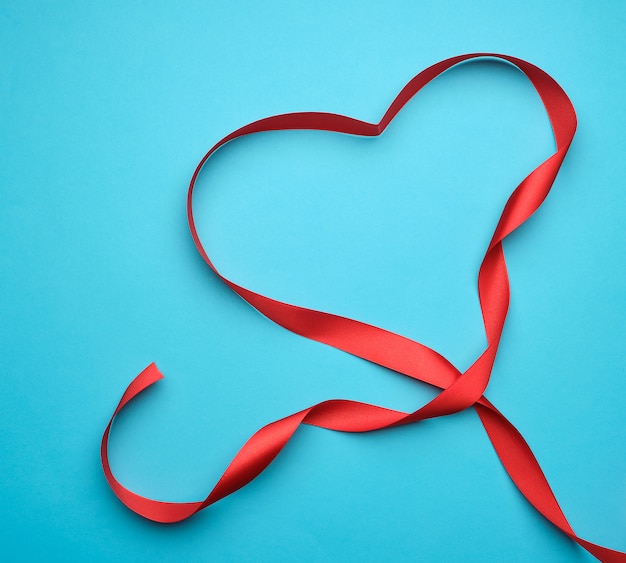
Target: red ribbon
{"x":392,"y":351}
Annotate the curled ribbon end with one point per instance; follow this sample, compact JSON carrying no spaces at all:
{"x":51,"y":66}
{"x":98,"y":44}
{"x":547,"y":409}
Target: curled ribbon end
{"x":147,"y":377}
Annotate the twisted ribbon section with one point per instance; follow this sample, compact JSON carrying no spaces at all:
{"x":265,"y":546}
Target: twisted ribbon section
{"x":458,"y":390}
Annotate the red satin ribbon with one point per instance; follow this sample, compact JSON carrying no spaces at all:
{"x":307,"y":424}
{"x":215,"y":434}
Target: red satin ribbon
{"x":459,"y":390}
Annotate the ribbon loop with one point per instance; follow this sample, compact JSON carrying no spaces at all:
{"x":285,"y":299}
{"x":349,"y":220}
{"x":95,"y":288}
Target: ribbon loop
{"x":413,"y":359}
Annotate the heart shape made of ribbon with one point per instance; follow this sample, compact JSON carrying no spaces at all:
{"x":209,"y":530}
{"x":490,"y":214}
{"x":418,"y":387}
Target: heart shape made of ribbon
{"x":458,"y":390}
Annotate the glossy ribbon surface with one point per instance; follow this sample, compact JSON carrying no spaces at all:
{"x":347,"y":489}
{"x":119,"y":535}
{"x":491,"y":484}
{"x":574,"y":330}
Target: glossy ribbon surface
{"x":458,"y":390}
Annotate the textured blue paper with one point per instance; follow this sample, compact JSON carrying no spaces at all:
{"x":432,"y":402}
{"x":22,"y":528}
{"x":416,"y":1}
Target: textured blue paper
{"x":105,"y":110}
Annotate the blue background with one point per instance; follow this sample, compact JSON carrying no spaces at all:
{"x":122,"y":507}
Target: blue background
{"x":106,"y":107}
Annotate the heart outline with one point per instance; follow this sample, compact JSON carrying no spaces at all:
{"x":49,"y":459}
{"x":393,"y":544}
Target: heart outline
{"x":389,"y":350}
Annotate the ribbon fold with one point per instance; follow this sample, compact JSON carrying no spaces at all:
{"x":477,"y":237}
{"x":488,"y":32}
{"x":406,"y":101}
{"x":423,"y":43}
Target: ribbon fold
{"x":458,"y":390}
